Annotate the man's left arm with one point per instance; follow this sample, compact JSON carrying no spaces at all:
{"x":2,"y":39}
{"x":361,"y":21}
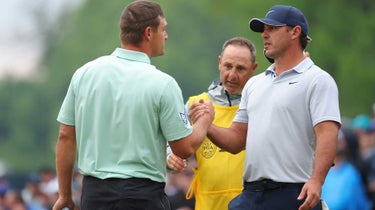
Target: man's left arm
{"x":326,"y":136}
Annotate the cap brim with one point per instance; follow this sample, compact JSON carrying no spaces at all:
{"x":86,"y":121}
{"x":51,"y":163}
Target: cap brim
{"x":257,"y":24}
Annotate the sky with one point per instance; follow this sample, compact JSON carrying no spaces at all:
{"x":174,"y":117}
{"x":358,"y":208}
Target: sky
{"x":21,"y":42}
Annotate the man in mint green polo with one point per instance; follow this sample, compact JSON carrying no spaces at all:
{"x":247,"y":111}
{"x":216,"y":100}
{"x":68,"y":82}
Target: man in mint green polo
{"x":117,"y":117}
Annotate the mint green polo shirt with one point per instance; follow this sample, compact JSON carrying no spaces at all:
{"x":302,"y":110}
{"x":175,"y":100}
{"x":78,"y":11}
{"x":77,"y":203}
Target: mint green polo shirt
{"x":124,"y":111}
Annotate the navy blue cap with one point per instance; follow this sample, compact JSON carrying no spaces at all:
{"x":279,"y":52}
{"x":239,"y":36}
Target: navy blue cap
{"x":281,"y":15}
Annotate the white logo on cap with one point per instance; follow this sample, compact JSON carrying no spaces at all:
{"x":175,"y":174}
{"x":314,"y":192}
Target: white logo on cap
{"x":269,"y":12}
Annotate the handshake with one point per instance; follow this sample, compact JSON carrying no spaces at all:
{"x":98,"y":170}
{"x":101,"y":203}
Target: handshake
{"x":202,"y":110}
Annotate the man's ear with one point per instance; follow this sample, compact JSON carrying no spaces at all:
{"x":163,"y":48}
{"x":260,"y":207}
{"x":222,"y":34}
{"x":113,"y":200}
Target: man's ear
{"x":147,"y":33}
{"x":219,"y":62}
{"x":297,"y":31}
{"x":255,"y":66}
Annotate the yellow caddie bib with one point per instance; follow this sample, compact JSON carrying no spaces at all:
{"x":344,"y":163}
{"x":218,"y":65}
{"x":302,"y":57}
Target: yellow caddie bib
{"x":218,"y":177}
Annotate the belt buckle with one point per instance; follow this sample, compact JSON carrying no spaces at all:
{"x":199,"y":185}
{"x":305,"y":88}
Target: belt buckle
{"x":270,"y":185}
{"x":261,"y":186}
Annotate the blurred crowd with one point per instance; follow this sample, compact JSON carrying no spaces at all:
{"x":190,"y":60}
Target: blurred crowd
{"x":350,"y":183}
{"x":353,"y":176}
{"x":39,"y":192}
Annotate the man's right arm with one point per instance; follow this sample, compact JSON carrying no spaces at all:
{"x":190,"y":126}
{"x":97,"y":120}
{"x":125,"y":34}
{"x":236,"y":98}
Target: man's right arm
{"x":185,"y":147}
{"x":65,"y":161}
{"x":232,"y":139}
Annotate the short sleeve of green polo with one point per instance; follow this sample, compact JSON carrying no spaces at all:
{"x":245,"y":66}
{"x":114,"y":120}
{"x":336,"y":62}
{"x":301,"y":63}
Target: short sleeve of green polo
{"x":173,"y":120}
{"x":66,"y":114}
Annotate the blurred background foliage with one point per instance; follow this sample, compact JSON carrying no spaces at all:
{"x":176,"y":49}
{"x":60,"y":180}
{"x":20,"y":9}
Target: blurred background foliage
{"x":343,"y":33}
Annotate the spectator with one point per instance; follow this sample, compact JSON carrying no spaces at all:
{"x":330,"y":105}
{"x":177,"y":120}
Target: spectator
{"x":343,"y":188}
{"x":362,"y":126}
{"x":236,"y":64}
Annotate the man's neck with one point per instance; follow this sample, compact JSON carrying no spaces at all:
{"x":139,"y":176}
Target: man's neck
{"x":288,"y":61}
{"x":140,"y":48}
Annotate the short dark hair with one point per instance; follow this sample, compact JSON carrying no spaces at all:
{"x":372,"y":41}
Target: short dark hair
{"x":304,"y":40}
{"x":136,"y":17}
{"x":241,"y":41}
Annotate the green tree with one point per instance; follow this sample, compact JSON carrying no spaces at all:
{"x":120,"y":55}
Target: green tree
{"x":343,"y":40}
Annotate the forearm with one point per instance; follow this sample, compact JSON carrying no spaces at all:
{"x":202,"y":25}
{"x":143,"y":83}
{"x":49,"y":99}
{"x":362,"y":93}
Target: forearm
{"x":324,"y":158}
{"x":231,"y":139}
{"x":193,"y":141}
{"x":65,"y":161}
{"x":325,"y":150}
{"x":186,"y":147}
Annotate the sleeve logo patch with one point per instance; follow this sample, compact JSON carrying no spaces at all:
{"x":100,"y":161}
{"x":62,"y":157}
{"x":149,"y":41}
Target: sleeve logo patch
{"x":184,"y":118}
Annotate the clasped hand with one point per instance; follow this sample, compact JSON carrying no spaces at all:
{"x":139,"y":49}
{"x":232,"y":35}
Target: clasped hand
{"x":200,"y":109}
